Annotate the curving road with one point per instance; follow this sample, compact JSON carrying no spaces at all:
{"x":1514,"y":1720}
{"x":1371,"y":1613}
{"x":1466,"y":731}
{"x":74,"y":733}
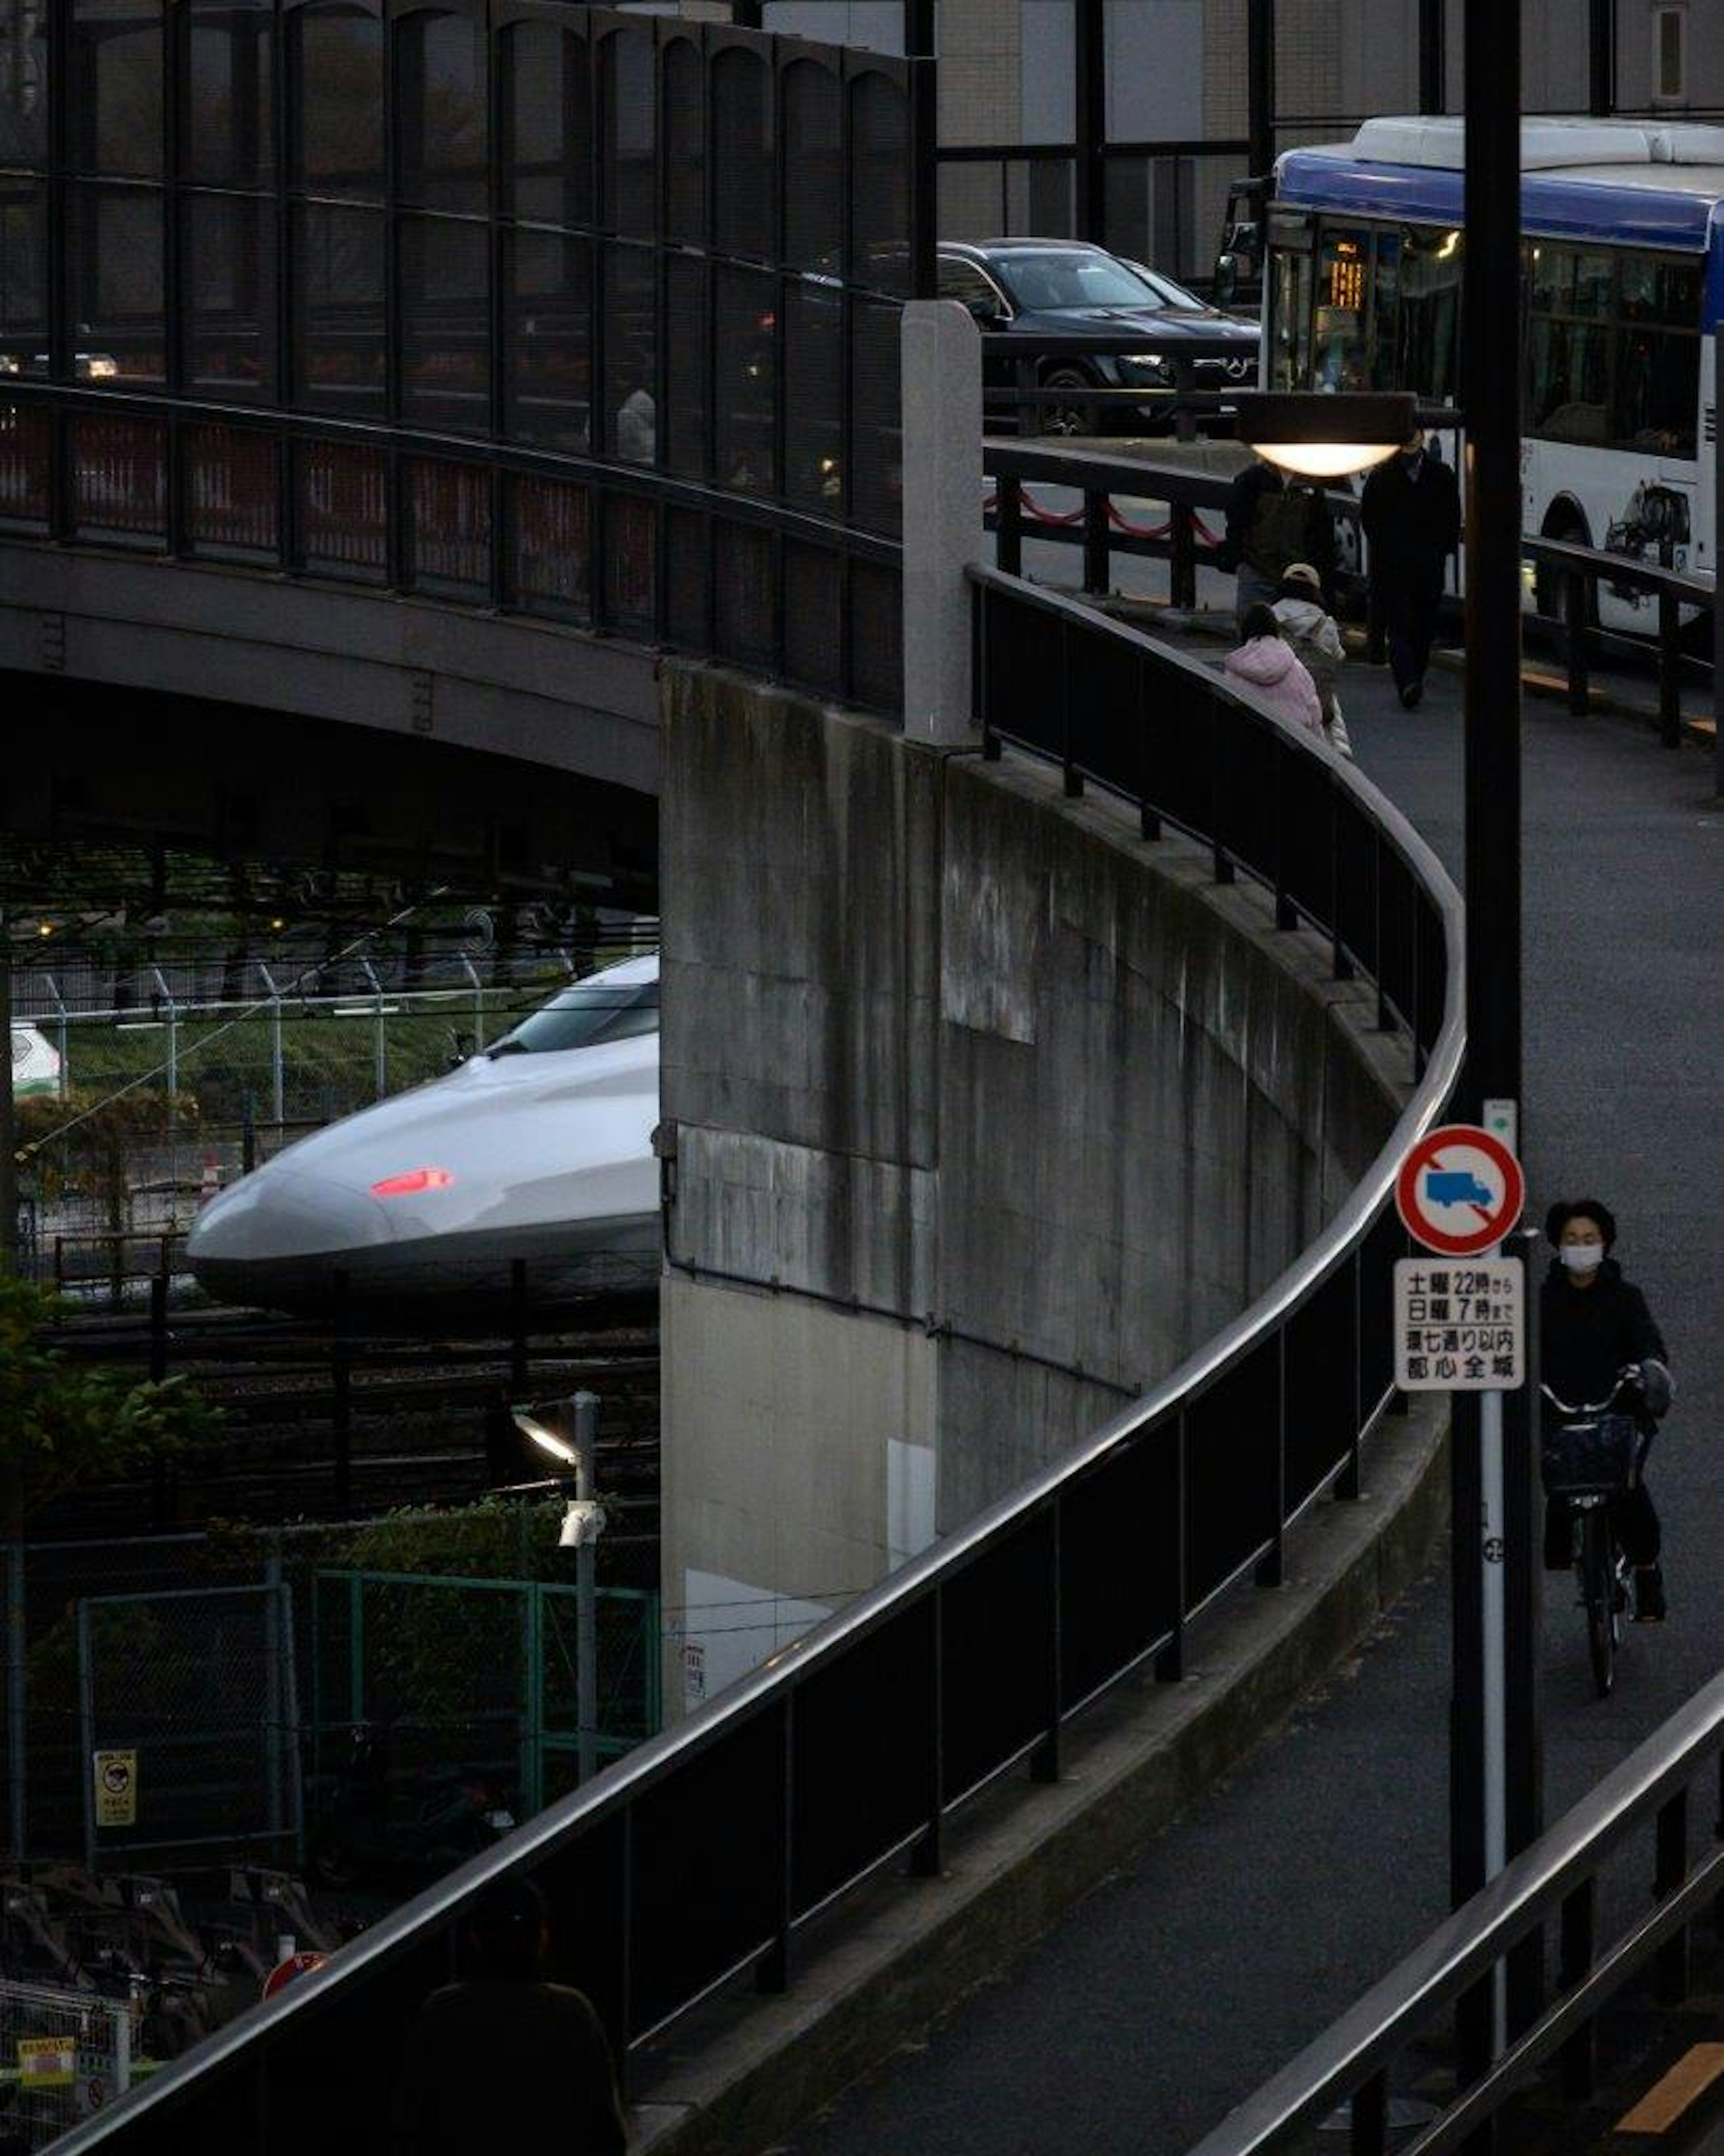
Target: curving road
{"x":1179,"y":1985}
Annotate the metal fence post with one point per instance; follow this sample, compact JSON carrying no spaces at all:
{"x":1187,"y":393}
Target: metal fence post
{"x":273,"y":1718}
{"x":86,"y":1728}
{"x":532,"y":1701}
{"x":1096,"y":564}
{"x":18,"y":1724}
{"x":1574,"y":625}
{"x":1670,"y":678}
{"x":1183,"y":589}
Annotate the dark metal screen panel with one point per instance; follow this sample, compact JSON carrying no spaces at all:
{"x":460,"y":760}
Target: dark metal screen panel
{"x":119,"y":478}
{"x":26,"y":452}
{"x":341,"y":510}
{"x":743,"y":568}
{"x":678,"y":247}
{"x":814,"y":616}
{"x":232,"y":479}
{"x":550,"y":569}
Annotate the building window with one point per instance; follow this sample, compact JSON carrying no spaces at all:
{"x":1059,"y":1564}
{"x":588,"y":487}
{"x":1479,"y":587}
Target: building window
{"x":1670,"y":41}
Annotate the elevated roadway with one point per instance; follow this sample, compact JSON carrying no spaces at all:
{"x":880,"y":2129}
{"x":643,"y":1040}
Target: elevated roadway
{"x":1182,"y":1982}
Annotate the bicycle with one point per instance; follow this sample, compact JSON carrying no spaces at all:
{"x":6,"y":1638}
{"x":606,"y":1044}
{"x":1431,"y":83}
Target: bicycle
{"x":1589,"y":1455}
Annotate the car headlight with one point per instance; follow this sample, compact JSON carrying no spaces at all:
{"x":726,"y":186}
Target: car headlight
{"x":1146,"y":367}
{"x":99,"y":368}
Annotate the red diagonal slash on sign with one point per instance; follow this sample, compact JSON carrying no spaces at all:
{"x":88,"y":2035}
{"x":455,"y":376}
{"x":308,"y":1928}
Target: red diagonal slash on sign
{"x":1483,"y":1211}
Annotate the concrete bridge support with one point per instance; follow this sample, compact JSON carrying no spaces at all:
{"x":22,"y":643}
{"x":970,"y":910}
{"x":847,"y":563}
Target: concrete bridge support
{"x":980,"y":1116}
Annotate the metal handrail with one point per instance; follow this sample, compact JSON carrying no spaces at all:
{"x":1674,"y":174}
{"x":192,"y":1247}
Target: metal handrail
{"x":646,"y":482}
{"x":1438,"y":1974}
{"x":789,"y":1676}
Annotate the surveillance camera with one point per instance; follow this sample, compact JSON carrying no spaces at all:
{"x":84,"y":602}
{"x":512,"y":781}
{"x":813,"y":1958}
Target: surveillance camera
{"x":583,"y":1524}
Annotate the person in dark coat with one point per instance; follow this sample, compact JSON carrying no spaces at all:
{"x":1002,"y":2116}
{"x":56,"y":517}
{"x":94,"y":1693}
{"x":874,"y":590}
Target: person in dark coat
{"x":1594,"y":1324}
{"x":1411,"y":514}
{"x":1271,"y":525}
{"x":505,"y":2060}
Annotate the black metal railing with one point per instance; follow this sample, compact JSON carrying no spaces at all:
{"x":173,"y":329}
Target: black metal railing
{"x":1650,"y":1798}
{"x":1569,"y":578}
{"x":1576,"y":573}
{"x":1197,"y":377}
{"x":1158,"y":730}
{"x":1196,"y":503}
{"x":696,"y":1860}
{"x":489,"y":525}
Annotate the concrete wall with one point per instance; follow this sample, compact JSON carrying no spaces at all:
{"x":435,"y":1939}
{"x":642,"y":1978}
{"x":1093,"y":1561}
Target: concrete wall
{"x":985,"y":1114}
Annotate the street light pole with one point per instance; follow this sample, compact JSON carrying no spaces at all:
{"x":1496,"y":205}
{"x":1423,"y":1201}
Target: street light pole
{"x":585,"y":1443}
{"x":1261,"y":84}
{"x":1495,"y":1793}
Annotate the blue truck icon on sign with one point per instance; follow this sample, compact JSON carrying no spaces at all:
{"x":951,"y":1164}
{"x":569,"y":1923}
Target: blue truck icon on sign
{"x":1455,"y":1186}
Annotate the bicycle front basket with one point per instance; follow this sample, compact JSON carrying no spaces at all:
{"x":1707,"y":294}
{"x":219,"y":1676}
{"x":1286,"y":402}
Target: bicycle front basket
{"x":1595,"y":1455}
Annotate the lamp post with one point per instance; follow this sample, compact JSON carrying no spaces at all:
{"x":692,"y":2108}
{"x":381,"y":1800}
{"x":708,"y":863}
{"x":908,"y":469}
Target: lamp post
{"x":1497,"y":1802}
{"x":583,"y":1524}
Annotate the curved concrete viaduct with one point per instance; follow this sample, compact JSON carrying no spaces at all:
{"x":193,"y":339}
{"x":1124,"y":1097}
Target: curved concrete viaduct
{"x":325,"y":722}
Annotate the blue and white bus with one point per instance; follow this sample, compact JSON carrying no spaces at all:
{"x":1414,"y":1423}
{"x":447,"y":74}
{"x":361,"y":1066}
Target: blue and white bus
{"x":1623,"y":288}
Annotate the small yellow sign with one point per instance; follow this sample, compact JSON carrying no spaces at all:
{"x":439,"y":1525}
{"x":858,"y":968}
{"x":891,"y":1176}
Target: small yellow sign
{"x":47,"y":2062}
{"x":116,"y":1788}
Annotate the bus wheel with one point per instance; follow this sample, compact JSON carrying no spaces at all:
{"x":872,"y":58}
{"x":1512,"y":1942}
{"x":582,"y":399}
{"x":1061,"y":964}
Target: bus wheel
{"x":1568,"y":528}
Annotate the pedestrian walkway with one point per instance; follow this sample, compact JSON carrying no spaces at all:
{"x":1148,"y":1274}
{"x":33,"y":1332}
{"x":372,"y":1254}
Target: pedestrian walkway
{"x":1180,"y":1984}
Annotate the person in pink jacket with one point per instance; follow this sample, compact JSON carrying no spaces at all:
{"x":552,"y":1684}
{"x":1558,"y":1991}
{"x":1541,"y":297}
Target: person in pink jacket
{"x":1267,"y":663}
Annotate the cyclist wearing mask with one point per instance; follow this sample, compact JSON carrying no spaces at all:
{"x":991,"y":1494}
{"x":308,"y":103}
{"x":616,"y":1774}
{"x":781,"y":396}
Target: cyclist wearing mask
{"x":1592,"y":1324}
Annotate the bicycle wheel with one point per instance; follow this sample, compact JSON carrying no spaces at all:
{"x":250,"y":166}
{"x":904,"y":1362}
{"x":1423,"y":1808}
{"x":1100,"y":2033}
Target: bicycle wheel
{"x":1597,"y":1588}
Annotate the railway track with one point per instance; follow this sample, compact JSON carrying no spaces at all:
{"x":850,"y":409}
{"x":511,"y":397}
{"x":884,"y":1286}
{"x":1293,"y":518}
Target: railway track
{"x":317,"y":1418}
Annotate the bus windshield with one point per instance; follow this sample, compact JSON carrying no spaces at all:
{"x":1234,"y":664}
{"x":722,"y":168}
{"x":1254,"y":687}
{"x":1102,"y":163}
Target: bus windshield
{"x":585,"y":1017}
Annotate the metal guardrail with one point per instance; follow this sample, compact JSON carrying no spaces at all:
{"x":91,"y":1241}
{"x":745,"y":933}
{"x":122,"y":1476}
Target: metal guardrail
{"x":1581,"y":570}
{"x":493,"y":524}
{"x":1558,"y":1878}
{"x":1185,"y":357}
{"x":854,"y":1746}
{"x":1103,"y":530}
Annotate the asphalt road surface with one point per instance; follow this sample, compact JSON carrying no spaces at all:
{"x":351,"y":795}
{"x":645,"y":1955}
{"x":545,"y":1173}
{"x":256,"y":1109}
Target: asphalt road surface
{"x":1179,"y":1985}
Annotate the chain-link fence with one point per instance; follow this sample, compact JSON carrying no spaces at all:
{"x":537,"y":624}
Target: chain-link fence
{"x":150,"y":1086}
{"x":64,"y":2055}
{"x":194,"y":1697}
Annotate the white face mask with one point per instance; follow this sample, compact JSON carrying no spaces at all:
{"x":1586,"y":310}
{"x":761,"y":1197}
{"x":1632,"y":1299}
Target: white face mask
{"x":1582,"y":1257}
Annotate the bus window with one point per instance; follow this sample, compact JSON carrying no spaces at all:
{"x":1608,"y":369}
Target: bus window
{"x":1430,"y":314}
{"x":1567,"y":381}
{"x":1594,"y":277}
{"x":1338,"y":331}
{"x":1657,"y":392}
{"x":1656,"y":290}
{"x":1553,"y":278}
{"x":1385,"y":313}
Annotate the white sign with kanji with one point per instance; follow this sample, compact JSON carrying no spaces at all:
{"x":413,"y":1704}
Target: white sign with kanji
{"x":1460,"y":1325}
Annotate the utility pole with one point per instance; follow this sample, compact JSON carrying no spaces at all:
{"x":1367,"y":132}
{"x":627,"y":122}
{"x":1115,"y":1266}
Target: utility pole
{"x":1601,"y":57}
{"x":585,"y":1443}
{"x":1090,"y":67}
{"x":1432,"y":56}
{"x":920,"y":30}
{"x":8,"y":1113}
{"x":1261,"y":84}
{"x":1495,"y":1794}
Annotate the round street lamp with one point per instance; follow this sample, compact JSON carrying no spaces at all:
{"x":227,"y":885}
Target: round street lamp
{"x":1318,"y":436}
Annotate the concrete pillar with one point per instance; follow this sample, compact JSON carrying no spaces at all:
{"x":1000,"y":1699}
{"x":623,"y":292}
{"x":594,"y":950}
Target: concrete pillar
{"x":943,"y":514}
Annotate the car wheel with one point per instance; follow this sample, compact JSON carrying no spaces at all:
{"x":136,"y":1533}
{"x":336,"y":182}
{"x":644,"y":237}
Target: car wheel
{"x":1067,"y":420}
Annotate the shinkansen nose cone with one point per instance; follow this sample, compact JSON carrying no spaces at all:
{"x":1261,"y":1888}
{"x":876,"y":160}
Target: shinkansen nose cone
{"x":274,"y":1237}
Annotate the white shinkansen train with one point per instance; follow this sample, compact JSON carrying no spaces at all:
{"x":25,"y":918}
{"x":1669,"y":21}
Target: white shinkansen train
{"x":538,"y":1149}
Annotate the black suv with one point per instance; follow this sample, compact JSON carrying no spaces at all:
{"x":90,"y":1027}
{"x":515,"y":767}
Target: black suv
{"x":1064,"y":287}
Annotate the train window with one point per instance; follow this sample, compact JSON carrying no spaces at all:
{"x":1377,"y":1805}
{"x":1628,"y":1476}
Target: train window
{"x":585,"y":1017}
